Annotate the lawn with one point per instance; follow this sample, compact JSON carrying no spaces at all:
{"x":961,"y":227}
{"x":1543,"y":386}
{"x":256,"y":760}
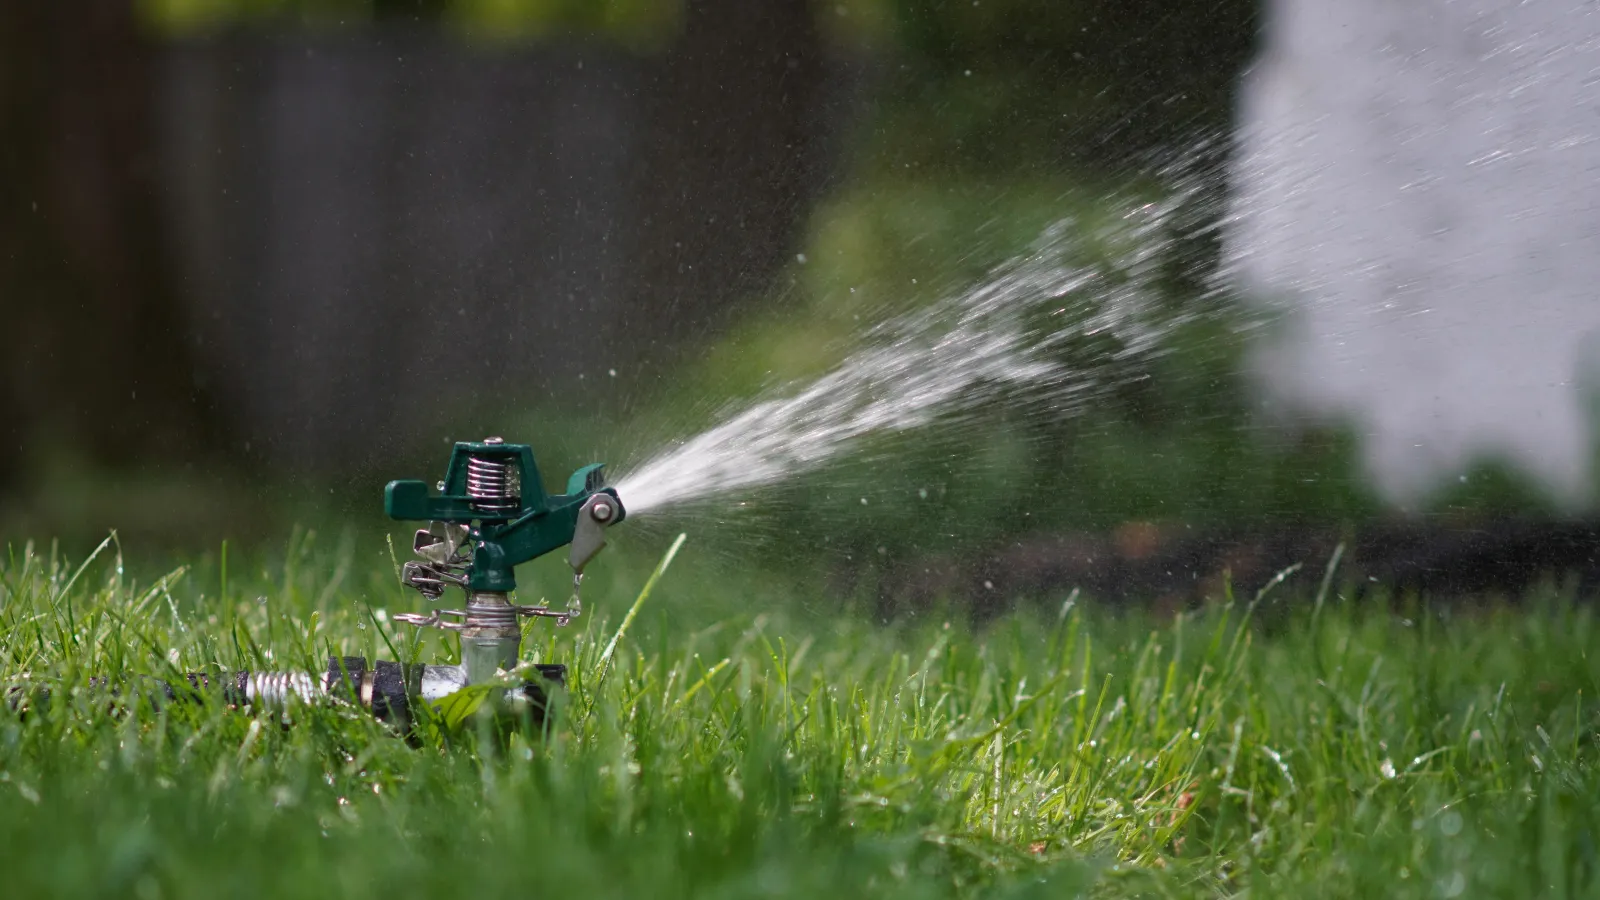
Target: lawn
{"x":752,"y":736}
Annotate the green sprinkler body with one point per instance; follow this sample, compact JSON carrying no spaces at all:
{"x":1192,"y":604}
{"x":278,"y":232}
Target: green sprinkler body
{"x":497,"y":486}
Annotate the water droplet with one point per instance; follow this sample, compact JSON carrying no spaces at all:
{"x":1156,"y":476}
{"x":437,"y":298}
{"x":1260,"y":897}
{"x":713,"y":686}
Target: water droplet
{"x":1450,"y":823}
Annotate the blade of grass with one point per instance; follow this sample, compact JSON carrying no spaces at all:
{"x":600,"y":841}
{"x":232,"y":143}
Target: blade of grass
{"x":633,"y":611}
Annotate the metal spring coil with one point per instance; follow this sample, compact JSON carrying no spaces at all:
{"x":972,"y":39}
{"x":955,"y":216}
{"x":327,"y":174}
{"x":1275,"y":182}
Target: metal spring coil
{"x":275,"y":688}
{"x":490,"y":487}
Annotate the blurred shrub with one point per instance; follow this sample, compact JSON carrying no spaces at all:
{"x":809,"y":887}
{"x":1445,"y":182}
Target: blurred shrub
{"x":643,"y":24}
{"x":1049,"y":85}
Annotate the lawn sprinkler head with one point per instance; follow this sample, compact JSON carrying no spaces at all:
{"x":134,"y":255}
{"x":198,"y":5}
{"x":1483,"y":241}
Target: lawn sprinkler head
{"x":491,"y":514}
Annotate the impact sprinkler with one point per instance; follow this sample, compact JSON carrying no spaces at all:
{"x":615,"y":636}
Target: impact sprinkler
{"x":490,"y":515}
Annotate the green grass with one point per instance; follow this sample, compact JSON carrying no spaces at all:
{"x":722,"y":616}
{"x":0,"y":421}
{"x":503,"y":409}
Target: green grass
{"x":760,"y":740}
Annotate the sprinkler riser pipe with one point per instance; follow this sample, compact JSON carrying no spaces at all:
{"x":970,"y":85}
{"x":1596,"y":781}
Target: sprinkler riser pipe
{"x":491,"y":639}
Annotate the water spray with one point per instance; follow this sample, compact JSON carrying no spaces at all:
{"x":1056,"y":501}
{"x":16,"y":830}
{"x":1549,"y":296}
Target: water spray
{"x":1012,"y":338}
{"x":490,"y":515}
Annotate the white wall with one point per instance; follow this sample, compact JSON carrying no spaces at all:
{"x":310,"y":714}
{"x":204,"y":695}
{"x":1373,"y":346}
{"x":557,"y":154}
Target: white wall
{"x":1419,"y":181}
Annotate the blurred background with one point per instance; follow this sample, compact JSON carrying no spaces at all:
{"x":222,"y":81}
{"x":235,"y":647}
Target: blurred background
{"x":258,"y":257}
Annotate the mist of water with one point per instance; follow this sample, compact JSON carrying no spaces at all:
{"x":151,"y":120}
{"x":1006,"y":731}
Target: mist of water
{"x":1002,"y":340}
{"x":1417,"y":185}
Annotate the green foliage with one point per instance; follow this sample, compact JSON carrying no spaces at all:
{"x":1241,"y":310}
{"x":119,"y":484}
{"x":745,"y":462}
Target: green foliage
{"x":1008,"y":86}
{"x":177,"y":17}
{"x":645,"y":24}
{"x":728,"y":744}
{"x":640,"y":23}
